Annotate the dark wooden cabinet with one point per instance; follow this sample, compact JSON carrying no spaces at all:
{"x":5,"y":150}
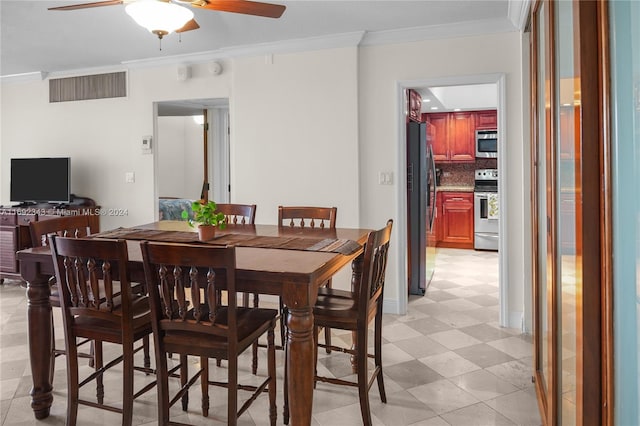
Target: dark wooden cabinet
{"x":414,"y":105}
{"x":440,"y":122}
{"x":454,"y":140}
{"x":487,"y":120}
{"x":15,"y":234}
{"x":462,"y":137}
{"x":457,"y":220}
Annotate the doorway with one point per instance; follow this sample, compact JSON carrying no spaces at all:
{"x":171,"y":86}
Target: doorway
{"x":404,"y":239}
{"x":191,"y":152}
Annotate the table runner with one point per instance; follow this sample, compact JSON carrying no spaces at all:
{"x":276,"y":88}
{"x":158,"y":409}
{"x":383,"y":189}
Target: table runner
{"x":332,"y":245}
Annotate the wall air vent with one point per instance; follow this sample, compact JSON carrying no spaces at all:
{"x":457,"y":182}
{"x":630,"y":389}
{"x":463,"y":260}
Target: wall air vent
{"x":98,"y":86}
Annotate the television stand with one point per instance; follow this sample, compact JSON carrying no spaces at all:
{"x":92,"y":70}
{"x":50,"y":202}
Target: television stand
{"x":14,"y":227}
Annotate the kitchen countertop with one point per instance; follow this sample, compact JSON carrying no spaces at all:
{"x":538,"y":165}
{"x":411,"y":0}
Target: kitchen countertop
{"x":455,"y":188}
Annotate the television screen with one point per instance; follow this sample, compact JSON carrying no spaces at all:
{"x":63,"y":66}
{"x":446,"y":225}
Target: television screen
{"x":40,"y":179}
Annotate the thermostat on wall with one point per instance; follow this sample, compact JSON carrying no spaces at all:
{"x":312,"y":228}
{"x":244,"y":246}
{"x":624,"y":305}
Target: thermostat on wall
{"x":146,"y":144}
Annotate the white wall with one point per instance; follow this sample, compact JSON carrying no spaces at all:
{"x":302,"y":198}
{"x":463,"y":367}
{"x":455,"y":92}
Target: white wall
{"x":180,"y":157}
{"x":102,"y":137}
{"x":306,"y":128}
{"x":382,"y":67}
{"x":294,"y":132}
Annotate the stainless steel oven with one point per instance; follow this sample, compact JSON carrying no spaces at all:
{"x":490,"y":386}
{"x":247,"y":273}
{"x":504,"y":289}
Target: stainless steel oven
{"x":486,"y":218}
{"x":486,"y":144}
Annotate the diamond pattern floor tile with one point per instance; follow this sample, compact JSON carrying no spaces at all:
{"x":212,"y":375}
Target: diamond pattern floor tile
{"x":447,"y":362}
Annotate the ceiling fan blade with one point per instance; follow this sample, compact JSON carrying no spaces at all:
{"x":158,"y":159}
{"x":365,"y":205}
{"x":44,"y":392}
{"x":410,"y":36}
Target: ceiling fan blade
{"x":268,"y":10}
{"x":191,"y":25}
{"x":87,"y":5}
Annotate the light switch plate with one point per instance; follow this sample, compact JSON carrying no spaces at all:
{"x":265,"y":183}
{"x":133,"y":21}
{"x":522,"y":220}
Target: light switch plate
{"x":146,"y":144}
{"x":130,"y":177}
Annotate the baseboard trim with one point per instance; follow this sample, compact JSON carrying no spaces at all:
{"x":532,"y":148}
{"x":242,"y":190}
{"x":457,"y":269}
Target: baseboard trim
{"x":391,"y":307}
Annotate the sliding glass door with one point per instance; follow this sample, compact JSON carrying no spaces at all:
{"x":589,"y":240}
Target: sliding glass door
{"x":568,"y":229}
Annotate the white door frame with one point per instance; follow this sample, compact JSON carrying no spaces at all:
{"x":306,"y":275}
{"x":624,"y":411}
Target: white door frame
{"x":499,"y":80}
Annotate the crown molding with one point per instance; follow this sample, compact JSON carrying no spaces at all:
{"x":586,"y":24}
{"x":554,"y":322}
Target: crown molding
{"x":333,"y":41}
{"x":519,"y":13}
{"x":518,"y":10}
{"x":461,"y":29}
{"x":24,"y":77}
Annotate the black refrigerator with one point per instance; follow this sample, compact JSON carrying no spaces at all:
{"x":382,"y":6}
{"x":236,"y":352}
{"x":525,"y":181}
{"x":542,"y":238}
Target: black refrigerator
{"x":421,"y":205}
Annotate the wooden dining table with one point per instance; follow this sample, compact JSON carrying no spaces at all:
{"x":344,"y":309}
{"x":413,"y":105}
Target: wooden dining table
{"x":294,"y":270}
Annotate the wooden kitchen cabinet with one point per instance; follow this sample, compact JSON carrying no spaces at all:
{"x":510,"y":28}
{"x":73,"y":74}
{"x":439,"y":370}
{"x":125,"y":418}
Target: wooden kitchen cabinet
{"x":414,"y":105}
{"x":462,"y":137}
{"x":454,"y":140}
{"x":457,"y":220}
{"x":487,"y":120}
{"x":440,"y":122}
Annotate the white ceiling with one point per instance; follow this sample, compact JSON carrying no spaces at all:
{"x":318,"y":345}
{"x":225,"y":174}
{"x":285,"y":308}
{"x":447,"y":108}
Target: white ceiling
{"x":36,"y":40}
{"x":459,"y":98}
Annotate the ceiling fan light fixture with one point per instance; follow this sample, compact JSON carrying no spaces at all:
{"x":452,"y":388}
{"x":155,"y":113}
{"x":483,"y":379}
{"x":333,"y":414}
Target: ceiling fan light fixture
{"x":159,"y":17}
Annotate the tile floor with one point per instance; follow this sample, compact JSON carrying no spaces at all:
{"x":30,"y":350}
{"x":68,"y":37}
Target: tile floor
{"x":447,"y":362}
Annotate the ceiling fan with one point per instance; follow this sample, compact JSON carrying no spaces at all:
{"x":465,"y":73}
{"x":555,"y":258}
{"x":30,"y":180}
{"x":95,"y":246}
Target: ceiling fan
{"x":162,"y":17}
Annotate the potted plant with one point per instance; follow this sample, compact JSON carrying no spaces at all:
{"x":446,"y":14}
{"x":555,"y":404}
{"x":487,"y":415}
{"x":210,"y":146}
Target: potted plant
{"x":205,"y":215}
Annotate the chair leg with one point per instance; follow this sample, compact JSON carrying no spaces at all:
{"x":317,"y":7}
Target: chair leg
{"x":363,"y":378}
{"x":92,"y":353}
{"x":72,"y":384}
{"x":52,"y":364}
{"x":327,"y":330}
{"x":232,"y":403}
{"x":315,"y":354}
{"x":254,"y":346}
{"x":285,"y":389}
{"x":184,"y":376}
{"x":127,"y":383}
{"x":283,"y":325}
{"x":145,"y":350}
{"x":254,"y":358}
{"x":327,"y":339}
{"x":378,"y":356}
{"x":162,"y":386}
{"x":271,"y":367}
{"x":204,"y":385}
{"x":98,"y":364}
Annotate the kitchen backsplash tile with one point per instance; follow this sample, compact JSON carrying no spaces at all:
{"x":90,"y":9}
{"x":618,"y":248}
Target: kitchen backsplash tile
{"x":463,"y":174}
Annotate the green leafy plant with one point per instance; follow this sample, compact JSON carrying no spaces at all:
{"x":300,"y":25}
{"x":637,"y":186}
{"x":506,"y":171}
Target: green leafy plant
{"x":205,"y":214}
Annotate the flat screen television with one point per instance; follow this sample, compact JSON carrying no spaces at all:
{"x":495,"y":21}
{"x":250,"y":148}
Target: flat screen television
{"x":41,"y":180}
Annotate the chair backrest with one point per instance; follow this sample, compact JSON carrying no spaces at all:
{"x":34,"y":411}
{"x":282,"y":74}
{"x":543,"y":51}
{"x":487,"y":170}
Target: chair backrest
{"x":371,"y":285}
{"x":312,"y":217}
{"x":241,"y":214}
{"x":86,"y":271}
{"x":75,"y":226}
{"x":175,"y":271}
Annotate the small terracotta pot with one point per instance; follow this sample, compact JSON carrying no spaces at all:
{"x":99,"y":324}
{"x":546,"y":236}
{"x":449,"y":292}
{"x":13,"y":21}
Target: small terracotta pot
{"x":206,"y":232}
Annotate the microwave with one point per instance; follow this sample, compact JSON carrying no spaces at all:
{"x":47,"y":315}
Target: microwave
{"x":486,"y":144}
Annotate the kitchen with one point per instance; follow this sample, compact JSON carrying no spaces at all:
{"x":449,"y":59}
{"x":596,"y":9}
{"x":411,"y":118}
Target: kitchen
{"x":452,"y":173}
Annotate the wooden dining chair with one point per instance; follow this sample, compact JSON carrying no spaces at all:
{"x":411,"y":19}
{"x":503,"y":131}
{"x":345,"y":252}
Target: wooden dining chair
{"x":238,"y":214}
{"x":354,"y":311}
{"x":98,"y":304}
{"x":208,"y":327}
{"x":307,"y":217}
{"x":65,"y":226}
